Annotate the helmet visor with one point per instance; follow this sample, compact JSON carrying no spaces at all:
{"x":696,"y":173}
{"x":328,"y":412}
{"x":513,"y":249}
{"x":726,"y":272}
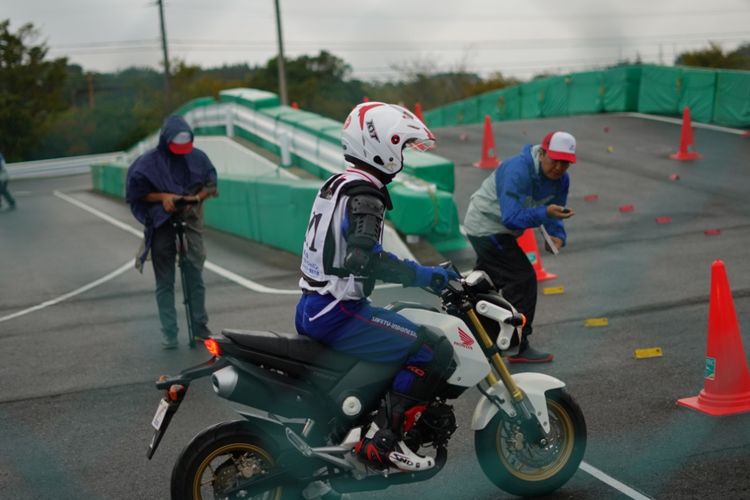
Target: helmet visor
{"x":420,"y":144}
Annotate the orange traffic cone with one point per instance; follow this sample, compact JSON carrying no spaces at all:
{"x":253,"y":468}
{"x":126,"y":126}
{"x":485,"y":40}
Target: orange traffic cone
{"x":726,"y":383}
{"x":418,"y":112}
{"x":527,"y":242}
{"x":686,"y":139}
{"x":489,"y":158}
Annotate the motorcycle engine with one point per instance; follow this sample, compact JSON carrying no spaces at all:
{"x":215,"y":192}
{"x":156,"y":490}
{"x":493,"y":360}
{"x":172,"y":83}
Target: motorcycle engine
{"x":435,"y":427}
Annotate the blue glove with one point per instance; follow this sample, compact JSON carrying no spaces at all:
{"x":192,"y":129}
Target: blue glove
{"x":433,"y":277}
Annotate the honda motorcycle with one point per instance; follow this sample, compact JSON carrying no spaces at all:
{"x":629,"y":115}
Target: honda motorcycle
{"x":307,"y":406}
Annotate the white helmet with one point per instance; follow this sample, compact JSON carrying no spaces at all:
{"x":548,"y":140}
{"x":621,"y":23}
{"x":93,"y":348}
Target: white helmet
{"x":376,"y":133}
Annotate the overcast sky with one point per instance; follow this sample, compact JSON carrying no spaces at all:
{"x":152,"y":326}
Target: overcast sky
{"x":516,"y":37}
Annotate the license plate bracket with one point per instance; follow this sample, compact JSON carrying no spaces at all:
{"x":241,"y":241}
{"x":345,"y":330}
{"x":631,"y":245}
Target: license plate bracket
{"x":161,"y":412}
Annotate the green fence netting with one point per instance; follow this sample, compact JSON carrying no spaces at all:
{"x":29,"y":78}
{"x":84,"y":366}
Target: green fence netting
{"x":553,"y":98}
{"x":532,"y":98}
{"x":732,"y":105}
{"x":698,"y":92}
{"x":499,"y":105}
{"x":434,"y":118}
{"x":667,"y":91}
{"x":621,"y":87}
{"x":585,"y":92}
{"x":660,"y":90}
{"x":720,"y":96}
{"x":470,"y":110}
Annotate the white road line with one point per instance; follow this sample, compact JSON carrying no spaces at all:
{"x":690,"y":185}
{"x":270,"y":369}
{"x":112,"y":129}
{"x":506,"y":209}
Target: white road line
{"x":614,"y":483}
{"x":225,"y":273}
{"x":249,"y":284}
{"x":101,"y":215}
{"x":678,"y":121}
{"x":78,"y":291}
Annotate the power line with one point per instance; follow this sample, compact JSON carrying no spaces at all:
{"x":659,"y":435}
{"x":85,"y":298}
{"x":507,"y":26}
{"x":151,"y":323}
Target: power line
{"x":409,"y":45}
{"x":407,"y":17}
{"x":448,"y":46}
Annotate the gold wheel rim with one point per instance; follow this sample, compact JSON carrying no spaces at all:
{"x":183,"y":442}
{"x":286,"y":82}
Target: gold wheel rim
{"x":566,"y":433}
{"x":223,"y":450}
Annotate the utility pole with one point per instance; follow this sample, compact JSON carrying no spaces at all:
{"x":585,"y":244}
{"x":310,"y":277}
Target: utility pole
{"x":282,"y":70}
{"x":90,"y":82}
{"x":167,"y":98}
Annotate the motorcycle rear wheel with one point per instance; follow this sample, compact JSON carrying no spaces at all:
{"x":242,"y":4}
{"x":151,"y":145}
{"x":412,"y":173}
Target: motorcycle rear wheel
{"x":221,"y":455}
{"x":526,"y":469}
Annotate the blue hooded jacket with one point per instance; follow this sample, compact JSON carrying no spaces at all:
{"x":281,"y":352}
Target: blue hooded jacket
{"x":161,"y":171}
{"x":514,"y":198}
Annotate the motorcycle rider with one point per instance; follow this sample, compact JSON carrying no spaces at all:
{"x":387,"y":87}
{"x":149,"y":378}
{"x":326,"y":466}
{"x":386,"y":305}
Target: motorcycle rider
{"x":342,"y":256}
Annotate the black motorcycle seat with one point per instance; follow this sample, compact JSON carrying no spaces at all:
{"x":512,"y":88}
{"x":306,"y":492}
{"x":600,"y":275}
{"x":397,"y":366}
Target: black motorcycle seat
{"x":292,"y":346}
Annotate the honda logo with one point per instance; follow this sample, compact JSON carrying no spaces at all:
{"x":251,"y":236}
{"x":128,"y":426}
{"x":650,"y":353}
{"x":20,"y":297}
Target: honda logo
{"x":467,"y":341}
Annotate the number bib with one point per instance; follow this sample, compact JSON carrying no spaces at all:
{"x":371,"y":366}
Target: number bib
{"x":324,"y":227}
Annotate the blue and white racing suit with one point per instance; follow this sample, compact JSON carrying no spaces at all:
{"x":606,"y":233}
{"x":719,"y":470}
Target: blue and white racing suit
{"x":341,"y":258}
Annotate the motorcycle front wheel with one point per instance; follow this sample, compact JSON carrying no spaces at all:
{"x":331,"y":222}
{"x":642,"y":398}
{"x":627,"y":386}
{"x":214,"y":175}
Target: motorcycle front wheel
{"x":524,"y":468}
{"x":214,"y":463}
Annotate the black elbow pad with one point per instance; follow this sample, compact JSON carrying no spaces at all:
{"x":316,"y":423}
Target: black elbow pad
{"x":357,"y":260}
{"x":365,"y":221}
{"x":365,"y":226}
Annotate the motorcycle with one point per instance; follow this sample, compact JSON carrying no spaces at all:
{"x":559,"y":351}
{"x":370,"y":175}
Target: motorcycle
{"x":307,"y":407}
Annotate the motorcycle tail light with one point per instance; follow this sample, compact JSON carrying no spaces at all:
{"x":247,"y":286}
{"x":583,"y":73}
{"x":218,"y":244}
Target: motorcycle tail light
{"x":175,"y":392}
{"x":213,"y":347}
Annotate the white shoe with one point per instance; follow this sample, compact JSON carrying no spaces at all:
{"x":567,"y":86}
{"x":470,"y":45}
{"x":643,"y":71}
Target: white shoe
{"x":405,"y":459}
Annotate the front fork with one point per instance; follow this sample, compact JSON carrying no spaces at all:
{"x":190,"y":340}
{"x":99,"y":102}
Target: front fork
{"x":532,"y":429}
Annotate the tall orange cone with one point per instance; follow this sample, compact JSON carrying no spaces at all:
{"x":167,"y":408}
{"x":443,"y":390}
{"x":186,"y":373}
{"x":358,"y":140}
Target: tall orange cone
{"x":489,"y":158}
{"x":726,"y":382}
{"x":527,"y":242}
{"x":686,"y":151}
{"x":418,"y":112}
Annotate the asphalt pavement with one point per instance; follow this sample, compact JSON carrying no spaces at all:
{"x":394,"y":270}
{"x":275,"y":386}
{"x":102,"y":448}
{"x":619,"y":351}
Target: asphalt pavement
{"x":79,"y":334}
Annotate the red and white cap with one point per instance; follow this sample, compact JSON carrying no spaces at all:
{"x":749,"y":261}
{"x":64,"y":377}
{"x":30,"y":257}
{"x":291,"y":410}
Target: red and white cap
{"x":182,"y":143}
{"x":560,"y":146}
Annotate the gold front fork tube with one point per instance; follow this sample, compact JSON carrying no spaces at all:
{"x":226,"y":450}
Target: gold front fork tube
{"x":496,"y":360}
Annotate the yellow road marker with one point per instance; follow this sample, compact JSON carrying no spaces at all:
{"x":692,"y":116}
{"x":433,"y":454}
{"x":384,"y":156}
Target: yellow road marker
{"x":596,"y":322}
{"x":553,"y":290}
{"x":650,"y":352}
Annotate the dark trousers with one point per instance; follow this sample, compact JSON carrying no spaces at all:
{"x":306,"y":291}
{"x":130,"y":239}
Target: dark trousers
{"x":380,"y":335}
{"x":4,"y":193}
{"x":510,"y":270}
{"x":163,"y":255}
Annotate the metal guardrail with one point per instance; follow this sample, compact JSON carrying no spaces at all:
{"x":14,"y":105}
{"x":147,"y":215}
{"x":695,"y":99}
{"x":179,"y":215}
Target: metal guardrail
{"x":55,"y":167}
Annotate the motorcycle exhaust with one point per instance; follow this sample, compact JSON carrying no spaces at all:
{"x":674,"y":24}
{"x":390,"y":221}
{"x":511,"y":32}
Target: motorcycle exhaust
{"x":258,"y":388}
{"x":224,"y":382}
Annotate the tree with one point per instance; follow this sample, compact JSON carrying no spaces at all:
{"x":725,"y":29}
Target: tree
{"x":714,"y":57}
{"x":317,"y":83}
{"x":190,"y":82}
{"x":31,"y":90}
